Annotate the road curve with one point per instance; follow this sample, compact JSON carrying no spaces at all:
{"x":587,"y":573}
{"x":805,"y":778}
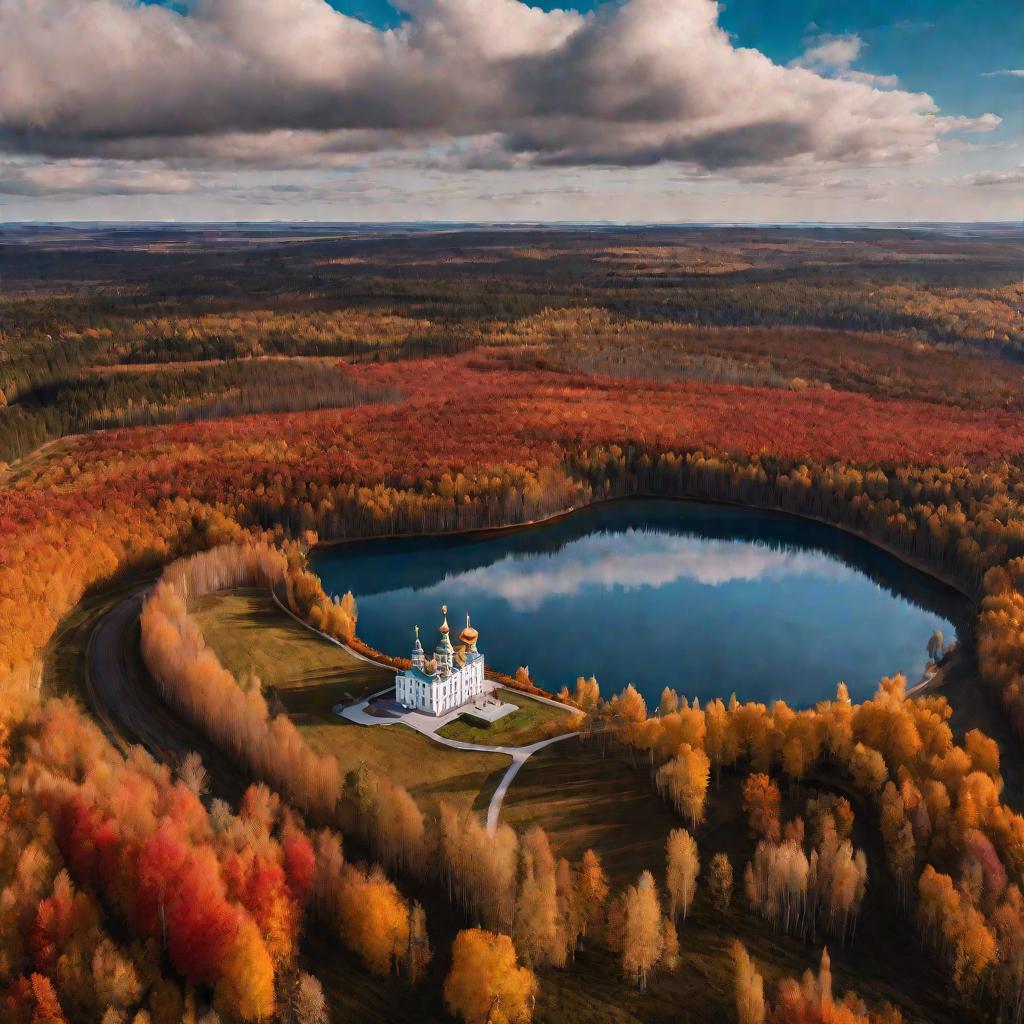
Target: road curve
{"x":519,"y":758}
{"x":357,"y":714}
{"x":130,"y":709}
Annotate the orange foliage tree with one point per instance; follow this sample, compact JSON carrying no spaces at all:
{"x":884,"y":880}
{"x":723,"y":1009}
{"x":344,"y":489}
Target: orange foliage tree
{"x":486,"y":985}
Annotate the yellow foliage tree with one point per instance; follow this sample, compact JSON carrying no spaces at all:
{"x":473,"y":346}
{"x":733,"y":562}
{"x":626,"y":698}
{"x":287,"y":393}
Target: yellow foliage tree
{"x":246,"y":986}
{"x":486,"y":985}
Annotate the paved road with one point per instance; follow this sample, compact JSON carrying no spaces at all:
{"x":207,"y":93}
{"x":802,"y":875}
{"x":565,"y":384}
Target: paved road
{"x":520,"y":756}
{"x":130,"y":710}
{"x":427,"y":726}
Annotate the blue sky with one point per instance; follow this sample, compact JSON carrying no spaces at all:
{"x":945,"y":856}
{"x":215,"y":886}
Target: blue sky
{"x":640,"y":110}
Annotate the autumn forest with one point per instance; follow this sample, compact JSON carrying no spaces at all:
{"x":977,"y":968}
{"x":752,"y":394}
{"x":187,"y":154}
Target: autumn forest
{"x":188,"y":834}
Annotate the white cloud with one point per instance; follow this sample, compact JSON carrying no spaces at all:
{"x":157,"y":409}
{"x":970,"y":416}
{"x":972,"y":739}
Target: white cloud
{"x":969,"y":146}
{"x":470,"y":83}
{"x":835,"y":55}
{"x":832,"y":53}
{"x":984,"y":123}
{"x":876,"y":81}
{"x":1013,"y":73}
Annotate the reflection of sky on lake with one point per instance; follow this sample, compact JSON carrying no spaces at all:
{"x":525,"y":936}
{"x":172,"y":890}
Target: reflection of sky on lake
{"x":635,"y":559}
{"x":705,"y":599}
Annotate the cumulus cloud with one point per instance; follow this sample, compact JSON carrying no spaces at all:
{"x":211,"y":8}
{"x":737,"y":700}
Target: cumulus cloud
{"x":479,"y":83}
{"x":831,"y":52}
{"x":984,"y":123}
{"x":835,"y":55}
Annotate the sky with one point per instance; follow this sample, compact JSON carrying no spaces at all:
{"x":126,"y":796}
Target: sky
{"x":766,"y":111}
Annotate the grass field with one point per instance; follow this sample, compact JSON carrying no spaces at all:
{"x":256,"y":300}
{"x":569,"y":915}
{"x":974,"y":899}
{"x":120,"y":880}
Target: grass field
{"x":429,"y":771}
{"x":250,"y":632}
{"x":585,"y":800}
{"x":534,"y":721}
{"x":311,"y":675}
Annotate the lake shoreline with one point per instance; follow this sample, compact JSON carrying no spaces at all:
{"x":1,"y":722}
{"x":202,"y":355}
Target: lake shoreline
{"x":879,"y":562}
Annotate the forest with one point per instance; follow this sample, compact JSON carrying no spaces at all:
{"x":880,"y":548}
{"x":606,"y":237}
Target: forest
{"x":198,"y":411}
{"x":891,"y":313}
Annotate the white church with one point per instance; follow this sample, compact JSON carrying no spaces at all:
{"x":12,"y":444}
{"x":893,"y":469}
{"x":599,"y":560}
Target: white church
{"x":451,"y":677}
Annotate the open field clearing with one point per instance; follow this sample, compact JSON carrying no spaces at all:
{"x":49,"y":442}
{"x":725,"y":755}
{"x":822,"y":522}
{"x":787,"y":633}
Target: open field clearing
{"x":250,"y":633}
{"x":310,"y":675}
{"x":430,"y":771}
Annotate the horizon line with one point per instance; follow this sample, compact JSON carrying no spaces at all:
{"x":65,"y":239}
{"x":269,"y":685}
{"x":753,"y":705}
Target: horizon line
{"x":497,"y":223}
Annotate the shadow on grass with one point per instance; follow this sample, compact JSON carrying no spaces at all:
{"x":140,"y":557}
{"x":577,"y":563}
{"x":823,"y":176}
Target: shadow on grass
{"x":487,"y":788}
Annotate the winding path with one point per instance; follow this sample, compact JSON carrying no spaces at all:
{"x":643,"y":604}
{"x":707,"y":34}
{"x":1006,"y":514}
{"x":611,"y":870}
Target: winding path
{"x":519,"y":758}
{"x":427,"y":726}
{"x":127,"y":710}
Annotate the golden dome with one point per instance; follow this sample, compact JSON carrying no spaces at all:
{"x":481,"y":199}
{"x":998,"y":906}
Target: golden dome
{"x":444,"y":624}
{"x":469,"y":635}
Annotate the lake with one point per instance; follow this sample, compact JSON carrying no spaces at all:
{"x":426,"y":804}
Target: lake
{"x":708,"y":599}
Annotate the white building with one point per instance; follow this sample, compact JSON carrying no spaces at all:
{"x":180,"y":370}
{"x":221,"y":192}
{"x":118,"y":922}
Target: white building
{"x":451,"y":677}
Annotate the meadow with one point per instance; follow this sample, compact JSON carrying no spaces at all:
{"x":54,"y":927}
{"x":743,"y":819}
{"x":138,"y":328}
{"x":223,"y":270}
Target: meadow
{"x":252,"y":634}
{"x":310,"y":675}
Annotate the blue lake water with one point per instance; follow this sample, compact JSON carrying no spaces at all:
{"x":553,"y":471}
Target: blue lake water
{"x":708,"y":599}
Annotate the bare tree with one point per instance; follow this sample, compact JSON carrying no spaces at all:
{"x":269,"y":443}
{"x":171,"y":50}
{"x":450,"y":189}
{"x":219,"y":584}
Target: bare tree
{"x":192,"y":773}
{"x":308,"y":1002}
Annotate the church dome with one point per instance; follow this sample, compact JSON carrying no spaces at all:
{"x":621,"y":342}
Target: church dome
{"x":444,"y":648}
{"x":469,"y":635}
{"x":430,"y":667}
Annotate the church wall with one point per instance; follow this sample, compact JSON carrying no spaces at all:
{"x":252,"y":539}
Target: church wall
{"x":442,"y":694}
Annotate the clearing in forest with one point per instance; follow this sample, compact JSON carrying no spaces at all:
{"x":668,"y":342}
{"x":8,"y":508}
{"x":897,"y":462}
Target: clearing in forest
{"x":309,"y":675}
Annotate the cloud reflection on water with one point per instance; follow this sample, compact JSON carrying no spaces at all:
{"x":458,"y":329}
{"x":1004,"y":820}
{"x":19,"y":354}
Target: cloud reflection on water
{"x":640,"y":558}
